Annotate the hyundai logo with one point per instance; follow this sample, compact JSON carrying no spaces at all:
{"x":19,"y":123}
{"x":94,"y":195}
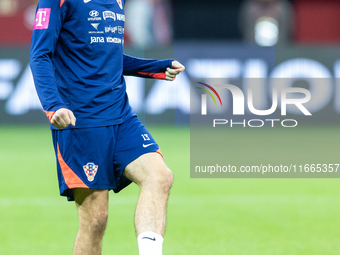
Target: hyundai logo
{"x":94,"y":13}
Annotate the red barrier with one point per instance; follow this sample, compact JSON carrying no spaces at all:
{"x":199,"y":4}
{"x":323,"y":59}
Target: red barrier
{"x":317,"y":21}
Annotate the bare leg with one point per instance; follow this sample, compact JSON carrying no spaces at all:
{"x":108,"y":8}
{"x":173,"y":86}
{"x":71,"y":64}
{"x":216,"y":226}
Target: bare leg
{"x":92,"y":208}
{"x":155,"y":179}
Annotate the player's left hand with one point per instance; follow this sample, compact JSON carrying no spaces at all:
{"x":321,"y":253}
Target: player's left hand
{"x":176,"y":68}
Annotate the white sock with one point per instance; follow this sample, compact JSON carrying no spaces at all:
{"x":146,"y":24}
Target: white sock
{"x":150,"y":243}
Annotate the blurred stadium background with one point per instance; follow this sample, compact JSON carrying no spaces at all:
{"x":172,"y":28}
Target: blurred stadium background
{"x":223,"y":39}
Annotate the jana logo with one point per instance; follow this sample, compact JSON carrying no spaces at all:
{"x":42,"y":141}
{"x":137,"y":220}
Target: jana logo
{"x":94,"y":13}
{"x":239,"y":99}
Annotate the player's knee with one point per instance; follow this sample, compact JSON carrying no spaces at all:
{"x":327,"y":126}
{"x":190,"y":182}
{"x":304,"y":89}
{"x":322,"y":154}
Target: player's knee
{"x":99,"y":221}
{"x":164,"y":179}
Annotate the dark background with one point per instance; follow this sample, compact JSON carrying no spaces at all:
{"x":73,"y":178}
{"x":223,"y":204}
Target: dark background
{"x":206,"y":19}
{"x":315,"y":20}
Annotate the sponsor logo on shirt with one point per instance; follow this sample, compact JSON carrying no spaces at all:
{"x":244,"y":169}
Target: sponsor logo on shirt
{"x":113,"y":40}
{"x":110,"y":29}
{"x":95,"y":39}
{"x":94,"y":15}
{"x":42,"y":18}
{"x":120,"y":4}
{"x":95,"y":25}
{"x":120,"y":17}
{"x":86,"y":1}
{"x":109,"y":14}
{"x":120,"y":30}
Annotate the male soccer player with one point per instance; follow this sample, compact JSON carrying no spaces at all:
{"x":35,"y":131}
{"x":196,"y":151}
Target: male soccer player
{"x":78,"y":64}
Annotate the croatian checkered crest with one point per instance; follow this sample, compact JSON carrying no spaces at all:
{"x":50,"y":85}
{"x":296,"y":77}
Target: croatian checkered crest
{"x":90,"y":171}
{"x":120,"y":4}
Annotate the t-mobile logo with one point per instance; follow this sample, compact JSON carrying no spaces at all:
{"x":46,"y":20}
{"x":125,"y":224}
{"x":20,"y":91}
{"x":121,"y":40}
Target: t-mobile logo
{"x":42,"y":18}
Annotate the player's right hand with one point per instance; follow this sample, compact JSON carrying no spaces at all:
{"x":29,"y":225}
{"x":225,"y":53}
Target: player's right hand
{"x":62,"y":118}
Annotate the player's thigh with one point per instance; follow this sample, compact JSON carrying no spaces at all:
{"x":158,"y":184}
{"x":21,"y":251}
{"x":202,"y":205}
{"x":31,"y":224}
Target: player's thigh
{"x":149,"y":168}
{"x":92,"y":204}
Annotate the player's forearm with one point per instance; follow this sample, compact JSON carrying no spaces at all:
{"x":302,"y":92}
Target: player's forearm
{"x":146,"y":68}
{"x":44,"y":81}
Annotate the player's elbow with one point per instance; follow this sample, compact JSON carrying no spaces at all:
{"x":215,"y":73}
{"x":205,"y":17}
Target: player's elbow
{"x":34,"y":61}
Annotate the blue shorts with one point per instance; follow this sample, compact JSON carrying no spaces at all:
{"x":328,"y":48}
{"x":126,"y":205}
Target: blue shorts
{"x":95,"y":158}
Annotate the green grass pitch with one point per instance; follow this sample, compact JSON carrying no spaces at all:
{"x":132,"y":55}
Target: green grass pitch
{"x":205,"y":216}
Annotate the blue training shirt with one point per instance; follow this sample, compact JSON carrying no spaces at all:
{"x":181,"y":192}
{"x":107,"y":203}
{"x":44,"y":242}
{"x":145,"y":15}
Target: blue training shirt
{"x":78,"y":63}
